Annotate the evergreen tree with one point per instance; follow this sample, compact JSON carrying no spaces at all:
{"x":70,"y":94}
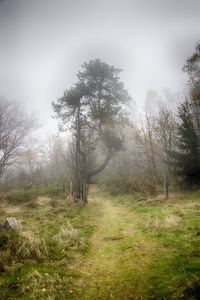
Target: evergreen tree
{"x":187,"y":158}
{"x":192,"y":67}
{"x":95,"y":108}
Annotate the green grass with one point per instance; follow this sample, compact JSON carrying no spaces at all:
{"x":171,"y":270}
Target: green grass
{"x":133,"y":249}
{"x":173,"y":227}
{"x":50,"y":276}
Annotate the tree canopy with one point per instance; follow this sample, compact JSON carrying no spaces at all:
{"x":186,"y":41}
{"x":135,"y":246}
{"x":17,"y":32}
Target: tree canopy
{"x":95,"y":108}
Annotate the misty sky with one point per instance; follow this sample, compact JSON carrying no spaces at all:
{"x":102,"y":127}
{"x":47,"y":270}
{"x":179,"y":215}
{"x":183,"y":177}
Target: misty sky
{"x":44,"y":42}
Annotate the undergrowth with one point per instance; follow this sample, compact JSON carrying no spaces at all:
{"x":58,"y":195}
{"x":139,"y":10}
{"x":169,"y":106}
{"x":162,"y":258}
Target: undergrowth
{"x":128,"y":185}
{"x":24,"y":196}
{"x":35,"y":262}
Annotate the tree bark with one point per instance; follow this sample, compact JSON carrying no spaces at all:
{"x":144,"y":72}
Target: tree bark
{"x":165,"y":187}
{"x":101,"y":167}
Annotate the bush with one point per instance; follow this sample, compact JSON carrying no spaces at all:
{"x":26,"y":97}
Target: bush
{"x":51,"y":191}
{"x":19,"y":197}
{"x":128,"y":185}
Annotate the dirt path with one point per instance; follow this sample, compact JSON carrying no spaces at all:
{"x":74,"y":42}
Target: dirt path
{"x":109,"y":270}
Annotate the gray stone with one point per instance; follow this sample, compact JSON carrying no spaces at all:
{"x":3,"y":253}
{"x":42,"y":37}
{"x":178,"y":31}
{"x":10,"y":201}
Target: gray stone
{"x":11,"y":224}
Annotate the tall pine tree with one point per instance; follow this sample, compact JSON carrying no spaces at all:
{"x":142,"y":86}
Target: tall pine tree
{"x":187,"y":156}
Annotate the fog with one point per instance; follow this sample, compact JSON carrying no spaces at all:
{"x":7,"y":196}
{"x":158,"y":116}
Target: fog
{"x":99,"y":168}
{"x":44,"y":43}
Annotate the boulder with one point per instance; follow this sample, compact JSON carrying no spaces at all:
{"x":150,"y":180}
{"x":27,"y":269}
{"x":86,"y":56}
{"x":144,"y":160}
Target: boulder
{"x":11,"y":224}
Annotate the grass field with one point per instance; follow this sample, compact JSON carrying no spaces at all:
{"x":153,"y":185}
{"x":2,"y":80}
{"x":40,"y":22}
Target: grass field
{"x":122,"y":247}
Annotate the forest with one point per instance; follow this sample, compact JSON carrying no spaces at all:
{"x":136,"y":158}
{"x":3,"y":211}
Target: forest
{"x":108,"y":207}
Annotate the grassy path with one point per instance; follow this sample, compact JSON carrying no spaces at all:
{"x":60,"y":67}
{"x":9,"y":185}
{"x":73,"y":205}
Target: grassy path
{"x":141,"y":252}
{"x":113,"y":265}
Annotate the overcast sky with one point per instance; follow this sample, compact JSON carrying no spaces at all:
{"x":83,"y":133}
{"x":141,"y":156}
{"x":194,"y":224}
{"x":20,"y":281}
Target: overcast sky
{"x":44,"y":42}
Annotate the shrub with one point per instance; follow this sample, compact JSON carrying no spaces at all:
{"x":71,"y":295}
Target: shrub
{"x":19,"y":197}
{"x":51,"y":191}
{"x":126,"y":185}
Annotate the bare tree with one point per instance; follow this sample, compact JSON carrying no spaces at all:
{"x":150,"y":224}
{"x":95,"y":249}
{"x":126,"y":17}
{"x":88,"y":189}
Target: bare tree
{"x":56,"y":155}
{"x":15,"y":126}
{"x":166,"y":134}
{"x":151,"y":141}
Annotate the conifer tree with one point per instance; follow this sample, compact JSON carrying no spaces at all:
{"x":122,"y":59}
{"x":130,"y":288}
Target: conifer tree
{"x":187,"y":156}
{"x":95,"y":108}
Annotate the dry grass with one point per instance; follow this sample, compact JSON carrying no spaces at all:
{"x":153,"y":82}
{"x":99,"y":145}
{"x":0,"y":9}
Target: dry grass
{"x":69,"y":237}
{"x":169,"y":222}
{"x":40,"y":284}
{"x":18,"y":246}
{"x":30,"y":246}
{"x":192,"y":205}
{"x":12,"y":209}
{"x":43,"y":201}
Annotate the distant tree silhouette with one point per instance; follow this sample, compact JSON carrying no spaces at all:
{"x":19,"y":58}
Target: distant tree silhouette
{"x":15,"y":126}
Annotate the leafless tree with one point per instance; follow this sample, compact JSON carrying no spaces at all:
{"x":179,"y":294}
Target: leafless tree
{"x":15,"y":126}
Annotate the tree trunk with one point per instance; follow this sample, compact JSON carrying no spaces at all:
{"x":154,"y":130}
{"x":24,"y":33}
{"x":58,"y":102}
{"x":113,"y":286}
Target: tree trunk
{"x":79,"y":187}
{"x":165,"y":187}
{"x":101,"y":167}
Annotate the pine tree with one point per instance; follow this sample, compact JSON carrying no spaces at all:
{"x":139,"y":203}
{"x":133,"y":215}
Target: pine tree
{"x":187,"y":157}
{"x":94,"y":108}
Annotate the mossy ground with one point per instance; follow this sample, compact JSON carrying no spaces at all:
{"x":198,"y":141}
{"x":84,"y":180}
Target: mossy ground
{"x":134,"y":249}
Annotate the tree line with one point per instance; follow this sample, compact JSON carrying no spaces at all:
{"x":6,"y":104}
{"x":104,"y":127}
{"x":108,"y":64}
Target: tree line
{"x":164,"y":143}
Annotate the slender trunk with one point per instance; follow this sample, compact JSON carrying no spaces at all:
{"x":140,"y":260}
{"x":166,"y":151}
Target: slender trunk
{"x":165,"y":187}
{"x":80,"y":180}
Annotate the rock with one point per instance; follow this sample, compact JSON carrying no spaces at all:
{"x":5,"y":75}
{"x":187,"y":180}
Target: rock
{"x":11,"y":224}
